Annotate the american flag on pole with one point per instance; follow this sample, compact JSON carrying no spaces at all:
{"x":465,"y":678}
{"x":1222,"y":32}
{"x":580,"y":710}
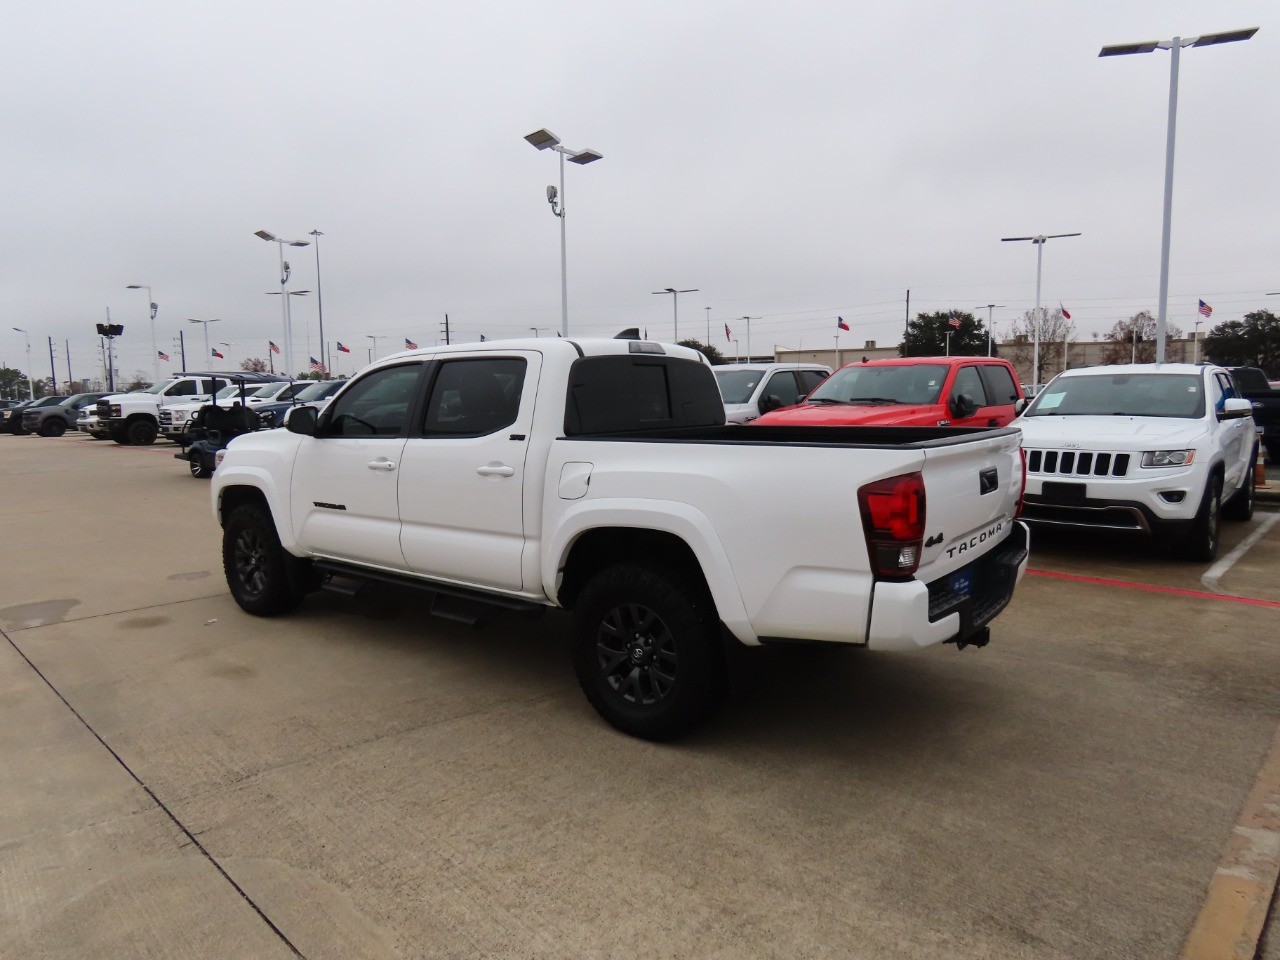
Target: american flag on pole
{"x":271,"y":345}
{"x":727,"y":334}
{"x":1205,"y":310}
{"x":955,"y":322}
{"x":316,"y":364}
{"x":162,"y":355}
{"x":409,"y":344}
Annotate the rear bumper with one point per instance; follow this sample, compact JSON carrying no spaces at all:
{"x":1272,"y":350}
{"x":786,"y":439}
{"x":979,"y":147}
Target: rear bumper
{"x":913,"y":614}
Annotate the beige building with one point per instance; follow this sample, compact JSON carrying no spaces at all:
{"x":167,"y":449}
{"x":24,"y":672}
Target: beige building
{"x":1079,"y":353}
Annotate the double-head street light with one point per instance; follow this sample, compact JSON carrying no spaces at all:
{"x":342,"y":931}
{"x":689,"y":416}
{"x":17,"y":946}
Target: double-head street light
{"x":1039,"y":241}
{"x":155,"y":350}
{"x":284,"y":280}
{"x":31,"y":384}
{"x":208,"y":351}
{"x":1174,"y":46}
{"x":675,"y":308}
{"x":991,"y":307}
{"x":546,"y":140}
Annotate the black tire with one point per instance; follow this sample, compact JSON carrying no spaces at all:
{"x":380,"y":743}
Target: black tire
{"x":1240,"y":506}
{"x":647,"y":653}
{"x":141,"y":432}
{"x":1202,"y":542}
{"x":199,"y":468}
{"x":264,"y":578}
{"x":53,"y":427}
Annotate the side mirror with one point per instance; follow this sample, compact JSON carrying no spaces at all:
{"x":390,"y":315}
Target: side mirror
{"x":301,"y":420}
{"x":963,"y":406}
{"x":1235,"y":408}
{"x":1020,"y":404}
{"x":771,"y":402}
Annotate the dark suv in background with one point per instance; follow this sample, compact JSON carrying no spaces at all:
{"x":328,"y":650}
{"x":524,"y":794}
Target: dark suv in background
{"x":13,"y":422}
{"x":57,"y":419}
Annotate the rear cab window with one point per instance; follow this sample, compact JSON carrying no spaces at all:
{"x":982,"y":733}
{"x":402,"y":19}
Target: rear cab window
{"x":633,"y":393}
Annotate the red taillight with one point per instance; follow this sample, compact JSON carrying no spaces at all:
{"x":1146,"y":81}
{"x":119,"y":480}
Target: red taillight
{"x":893,"y":522}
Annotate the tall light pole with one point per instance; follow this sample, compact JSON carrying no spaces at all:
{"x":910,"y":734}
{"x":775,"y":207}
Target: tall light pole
{"x":31,"y":384}
{"x":1195,"y":342}
{"x":748,"y":320}
{"x":708,"y":340}
{"x":284,"y":280}
{"x":1039,"y":241}
{"x":288,"y":314}
{"x":155,"y":349}
{"x":1174,"y":46}
{"x":990,"y":313}
{"x":208,"y":352}
{"x":324,"y":348}
{"x":537,"y":331}
{"x":546,"y":140}
{"x":373,"y":348}
{"x":675,"y":308}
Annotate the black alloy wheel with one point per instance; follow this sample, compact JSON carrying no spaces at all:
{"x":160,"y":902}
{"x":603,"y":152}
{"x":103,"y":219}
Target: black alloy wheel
{"x":264,"y":578}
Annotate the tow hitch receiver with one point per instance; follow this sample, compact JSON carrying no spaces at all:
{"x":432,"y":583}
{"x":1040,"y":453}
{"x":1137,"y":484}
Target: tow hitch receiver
{"x":979,"y":638}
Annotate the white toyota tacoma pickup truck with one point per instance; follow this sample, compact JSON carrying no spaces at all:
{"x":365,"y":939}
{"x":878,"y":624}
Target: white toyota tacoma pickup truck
{"x":599,"y":476}
{"x":1155,"y":449}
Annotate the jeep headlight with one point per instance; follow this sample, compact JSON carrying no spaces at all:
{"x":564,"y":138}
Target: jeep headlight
{"x":1168,"y":458}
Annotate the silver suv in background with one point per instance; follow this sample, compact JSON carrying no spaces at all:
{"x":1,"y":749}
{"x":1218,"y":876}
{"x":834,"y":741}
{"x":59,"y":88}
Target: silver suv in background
{"x":751,"y":389}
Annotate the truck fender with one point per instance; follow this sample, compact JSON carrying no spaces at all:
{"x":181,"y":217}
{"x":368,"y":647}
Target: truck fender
{"x":261,"y":480}
{"x":678,"y":519}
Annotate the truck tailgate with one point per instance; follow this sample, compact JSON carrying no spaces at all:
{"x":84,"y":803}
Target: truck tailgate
{"x":971,"y":499}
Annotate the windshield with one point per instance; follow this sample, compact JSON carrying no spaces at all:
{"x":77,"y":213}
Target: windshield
{"x":270,"y":390}
{"x":908,"y":384}
{"x":318,"y":391}
{"x":156,"y":388}
{"x":227,"y":392}
{"x":1122,"y":395}
{"x":737,"y":386}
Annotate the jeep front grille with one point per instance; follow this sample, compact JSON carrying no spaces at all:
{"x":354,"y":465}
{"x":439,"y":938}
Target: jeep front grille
{"x":1077,"y":463}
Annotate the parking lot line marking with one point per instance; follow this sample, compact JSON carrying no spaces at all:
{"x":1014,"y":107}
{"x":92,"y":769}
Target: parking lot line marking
{"x":1219,"y":569}
{"x":1235,"y":908}
{"x":1153,"y":588}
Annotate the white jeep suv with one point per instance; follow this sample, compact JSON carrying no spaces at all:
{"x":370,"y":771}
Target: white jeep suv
{"x":1162,"y":449}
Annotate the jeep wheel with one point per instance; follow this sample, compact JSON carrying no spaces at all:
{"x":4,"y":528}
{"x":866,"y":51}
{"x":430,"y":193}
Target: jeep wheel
{"x":1240,"y":505}
{"x":1202,"y":542}
{"x":646,"y":651}
{"x":140,"y":432}
{"x":257,"y":568}
{"x":53,"y":427}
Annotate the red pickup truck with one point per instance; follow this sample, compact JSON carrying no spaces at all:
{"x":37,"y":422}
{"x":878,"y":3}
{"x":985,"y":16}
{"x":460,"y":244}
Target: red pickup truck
{"x":911,"y":391}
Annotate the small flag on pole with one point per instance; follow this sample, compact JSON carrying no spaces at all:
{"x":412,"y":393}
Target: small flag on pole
{"x":482,"y":338}
{"x":316,"y":364}
{"x":1205,"y":310}
{"x":955,"y":322}
{"x":409,"y":344}
{"x":162,"y":355}
{"x":342,"y":349}
{"x":840,"y":324}
{"x":1065,"y":314}
{"x":271,"y":345}
{"x":217,"y":354}
{"x":727,"y":334}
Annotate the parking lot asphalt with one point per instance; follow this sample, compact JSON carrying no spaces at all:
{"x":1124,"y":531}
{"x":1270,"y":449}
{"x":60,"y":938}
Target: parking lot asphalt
{"x":360,"y":780}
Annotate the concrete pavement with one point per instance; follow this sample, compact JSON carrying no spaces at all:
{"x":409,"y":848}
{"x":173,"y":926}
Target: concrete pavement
{"x":367,"y":781}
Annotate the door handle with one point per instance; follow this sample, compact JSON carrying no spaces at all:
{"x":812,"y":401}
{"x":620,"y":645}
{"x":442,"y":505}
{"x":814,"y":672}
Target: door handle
{"x":382,"y":464}
{"x":496,"y":470}
{"x":993,"y":422}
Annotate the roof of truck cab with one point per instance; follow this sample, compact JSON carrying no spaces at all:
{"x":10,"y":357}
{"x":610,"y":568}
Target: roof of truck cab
{"x":1130,"y":368}
{"x":912,"y":361}
{"x":582,"y":346}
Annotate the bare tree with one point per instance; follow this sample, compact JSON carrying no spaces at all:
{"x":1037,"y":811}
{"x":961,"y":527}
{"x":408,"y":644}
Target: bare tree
{"x":1134,"y":340}
{"x":1055,"y":331}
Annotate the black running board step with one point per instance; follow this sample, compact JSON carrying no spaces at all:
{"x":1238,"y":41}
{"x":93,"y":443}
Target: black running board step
{"x":492,"y":602}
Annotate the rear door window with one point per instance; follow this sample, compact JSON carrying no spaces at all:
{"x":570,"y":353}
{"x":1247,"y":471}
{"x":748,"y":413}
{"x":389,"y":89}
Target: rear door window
{"x":1001,"y":388}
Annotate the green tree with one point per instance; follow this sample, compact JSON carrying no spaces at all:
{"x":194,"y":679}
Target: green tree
{"x":13,"y":383}
{"x":707,"y":350}
{"x":1251,"y":342}
{"x":927,"y":335}
{"x":1134,"y":340}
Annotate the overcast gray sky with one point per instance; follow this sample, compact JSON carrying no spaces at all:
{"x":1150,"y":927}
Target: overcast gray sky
{"x":793,"y":161}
